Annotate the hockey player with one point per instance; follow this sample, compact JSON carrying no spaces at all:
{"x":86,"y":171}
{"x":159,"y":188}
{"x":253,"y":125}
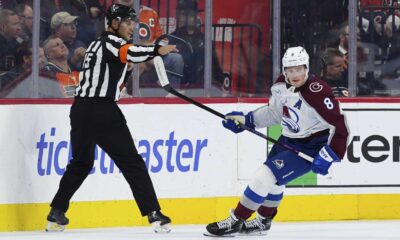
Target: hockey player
{"x":96,"y":119}
{"x":311,"y":122}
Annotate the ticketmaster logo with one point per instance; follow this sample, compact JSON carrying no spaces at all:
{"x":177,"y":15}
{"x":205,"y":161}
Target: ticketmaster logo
{"x":171,"y":155}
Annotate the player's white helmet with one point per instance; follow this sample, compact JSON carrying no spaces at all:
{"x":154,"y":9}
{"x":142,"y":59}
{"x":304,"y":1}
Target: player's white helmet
{"x":295,"y":56}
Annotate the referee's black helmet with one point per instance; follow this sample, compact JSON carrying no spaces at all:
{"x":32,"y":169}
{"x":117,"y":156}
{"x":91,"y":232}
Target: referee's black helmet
{"x":120,"y":12}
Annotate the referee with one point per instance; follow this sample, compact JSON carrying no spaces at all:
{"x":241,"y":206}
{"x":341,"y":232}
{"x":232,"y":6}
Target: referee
{"x":96,"y":119}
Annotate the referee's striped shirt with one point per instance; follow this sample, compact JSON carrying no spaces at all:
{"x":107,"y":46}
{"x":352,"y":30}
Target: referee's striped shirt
{"x":105,"y":63}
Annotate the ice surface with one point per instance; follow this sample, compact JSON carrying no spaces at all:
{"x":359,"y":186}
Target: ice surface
{"x":343,"y":230}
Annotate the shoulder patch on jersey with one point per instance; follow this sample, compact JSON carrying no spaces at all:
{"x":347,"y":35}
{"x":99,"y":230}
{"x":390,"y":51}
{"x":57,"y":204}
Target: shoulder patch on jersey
{"x":319,"y":86}
{"x":315,"y":87}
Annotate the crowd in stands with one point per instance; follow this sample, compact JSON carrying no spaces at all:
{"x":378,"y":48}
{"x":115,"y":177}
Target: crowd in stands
{"x":68,"y":27}
{"x":377,"y":42}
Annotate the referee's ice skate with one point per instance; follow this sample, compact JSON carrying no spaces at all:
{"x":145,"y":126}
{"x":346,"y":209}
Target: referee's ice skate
{"x":228,"y":227}
{"x":159,"y":221}
{"x":56,"y":221}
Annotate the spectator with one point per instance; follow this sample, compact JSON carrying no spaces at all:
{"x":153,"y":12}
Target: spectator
{"x":150,"y":30}
{"x":98,"y":9}
{"x":366,"y":55}
{"x":82,"y":8}
{"x":23,"y":66}
{"x":4,"y":4}
{"x":64,"y":27}
{"x":366,"y":52}
{"x":10,"y":29}
{"x":58,"y":67}
{"x":189,"y":29}
{"x":392,"y":33}
{"x":17,"y":83}
{"x":150,"y":27}
{"x":344,"y":41}
{"x":370,"y":24}
{"x":25,"y":13}
{"x":332,"y":62}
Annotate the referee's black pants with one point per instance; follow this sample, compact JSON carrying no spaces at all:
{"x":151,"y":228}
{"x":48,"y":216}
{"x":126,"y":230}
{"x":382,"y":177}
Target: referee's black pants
{"x":100,"y":121}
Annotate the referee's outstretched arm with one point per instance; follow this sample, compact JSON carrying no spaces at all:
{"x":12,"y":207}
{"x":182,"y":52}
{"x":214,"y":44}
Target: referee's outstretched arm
{"x":139,"y":53}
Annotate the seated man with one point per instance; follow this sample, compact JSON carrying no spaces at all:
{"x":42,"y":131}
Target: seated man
{"x":22,"y":68}
{"x":149,"y":31}
{"x":188,"y":28}
{"x":17,"y":83}
{"x":25,"y":13}
{"x":57,"y":66}
{"x":64,"y":27}
{"x":367,"y":84}
{"x":332,"y":71}
{"x":10,"y":29}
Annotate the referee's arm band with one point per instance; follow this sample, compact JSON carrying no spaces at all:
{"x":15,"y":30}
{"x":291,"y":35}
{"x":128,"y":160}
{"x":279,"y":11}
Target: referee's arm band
{"x":123,"y":53}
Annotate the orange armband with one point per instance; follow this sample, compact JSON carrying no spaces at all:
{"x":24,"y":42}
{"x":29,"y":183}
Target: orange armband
{"x":123,"y":52}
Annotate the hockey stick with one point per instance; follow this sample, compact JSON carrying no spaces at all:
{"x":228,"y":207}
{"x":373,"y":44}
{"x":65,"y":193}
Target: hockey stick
{"x":162,"y":76}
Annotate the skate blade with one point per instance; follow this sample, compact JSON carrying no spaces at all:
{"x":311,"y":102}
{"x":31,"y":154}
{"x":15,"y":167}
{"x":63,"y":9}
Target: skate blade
{"x":54,"y":227}
{"x":158,"y":228}
{"x":261,"y":233}
{"x":207,"y":234}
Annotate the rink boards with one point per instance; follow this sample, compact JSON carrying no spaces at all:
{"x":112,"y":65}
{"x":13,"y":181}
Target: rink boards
{"x":199,"y":169}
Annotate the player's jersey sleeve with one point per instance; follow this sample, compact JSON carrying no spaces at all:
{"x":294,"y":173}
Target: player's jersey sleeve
{"x":319,"y":96}
{"x":270,"y":114}
{"x":267,"y":115}
{"x":119,"y":49}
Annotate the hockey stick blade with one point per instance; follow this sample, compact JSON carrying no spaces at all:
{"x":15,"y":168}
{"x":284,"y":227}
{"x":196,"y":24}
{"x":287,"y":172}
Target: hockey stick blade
{"x":162,"y":76}
{"x":161,"y":73}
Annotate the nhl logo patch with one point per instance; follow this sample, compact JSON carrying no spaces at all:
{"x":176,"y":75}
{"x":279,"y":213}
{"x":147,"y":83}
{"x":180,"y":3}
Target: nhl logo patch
{"x":279,"y":164}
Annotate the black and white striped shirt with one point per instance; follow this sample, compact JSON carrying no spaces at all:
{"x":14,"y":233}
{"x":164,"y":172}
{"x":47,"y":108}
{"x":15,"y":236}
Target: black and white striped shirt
{"x":105,"y":64}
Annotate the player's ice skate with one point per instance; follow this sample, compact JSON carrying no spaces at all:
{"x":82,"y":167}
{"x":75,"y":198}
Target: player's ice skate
{"x":257,"y":226}
{"x":159,"y":221}
{"x":225,"y":228}
{"x":56,"y":221}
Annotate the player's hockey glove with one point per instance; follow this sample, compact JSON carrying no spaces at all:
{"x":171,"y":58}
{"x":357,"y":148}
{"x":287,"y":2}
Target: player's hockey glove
{"x":234,"y":119}
{"x":323,"y":161}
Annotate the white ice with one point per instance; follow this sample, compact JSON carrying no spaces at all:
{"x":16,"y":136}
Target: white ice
{"x":343,"y":230}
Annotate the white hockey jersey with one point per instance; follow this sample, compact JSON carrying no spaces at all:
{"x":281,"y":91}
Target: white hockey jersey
{"x":305,"y":111}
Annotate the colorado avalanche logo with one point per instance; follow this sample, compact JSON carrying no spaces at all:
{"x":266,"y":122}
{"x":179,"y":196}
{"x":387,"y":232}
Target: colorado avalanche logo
{"x":290,"y":124}
{"x":290,"y":119}
{"x":316,"y":87}
{"x":279,"y":164}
